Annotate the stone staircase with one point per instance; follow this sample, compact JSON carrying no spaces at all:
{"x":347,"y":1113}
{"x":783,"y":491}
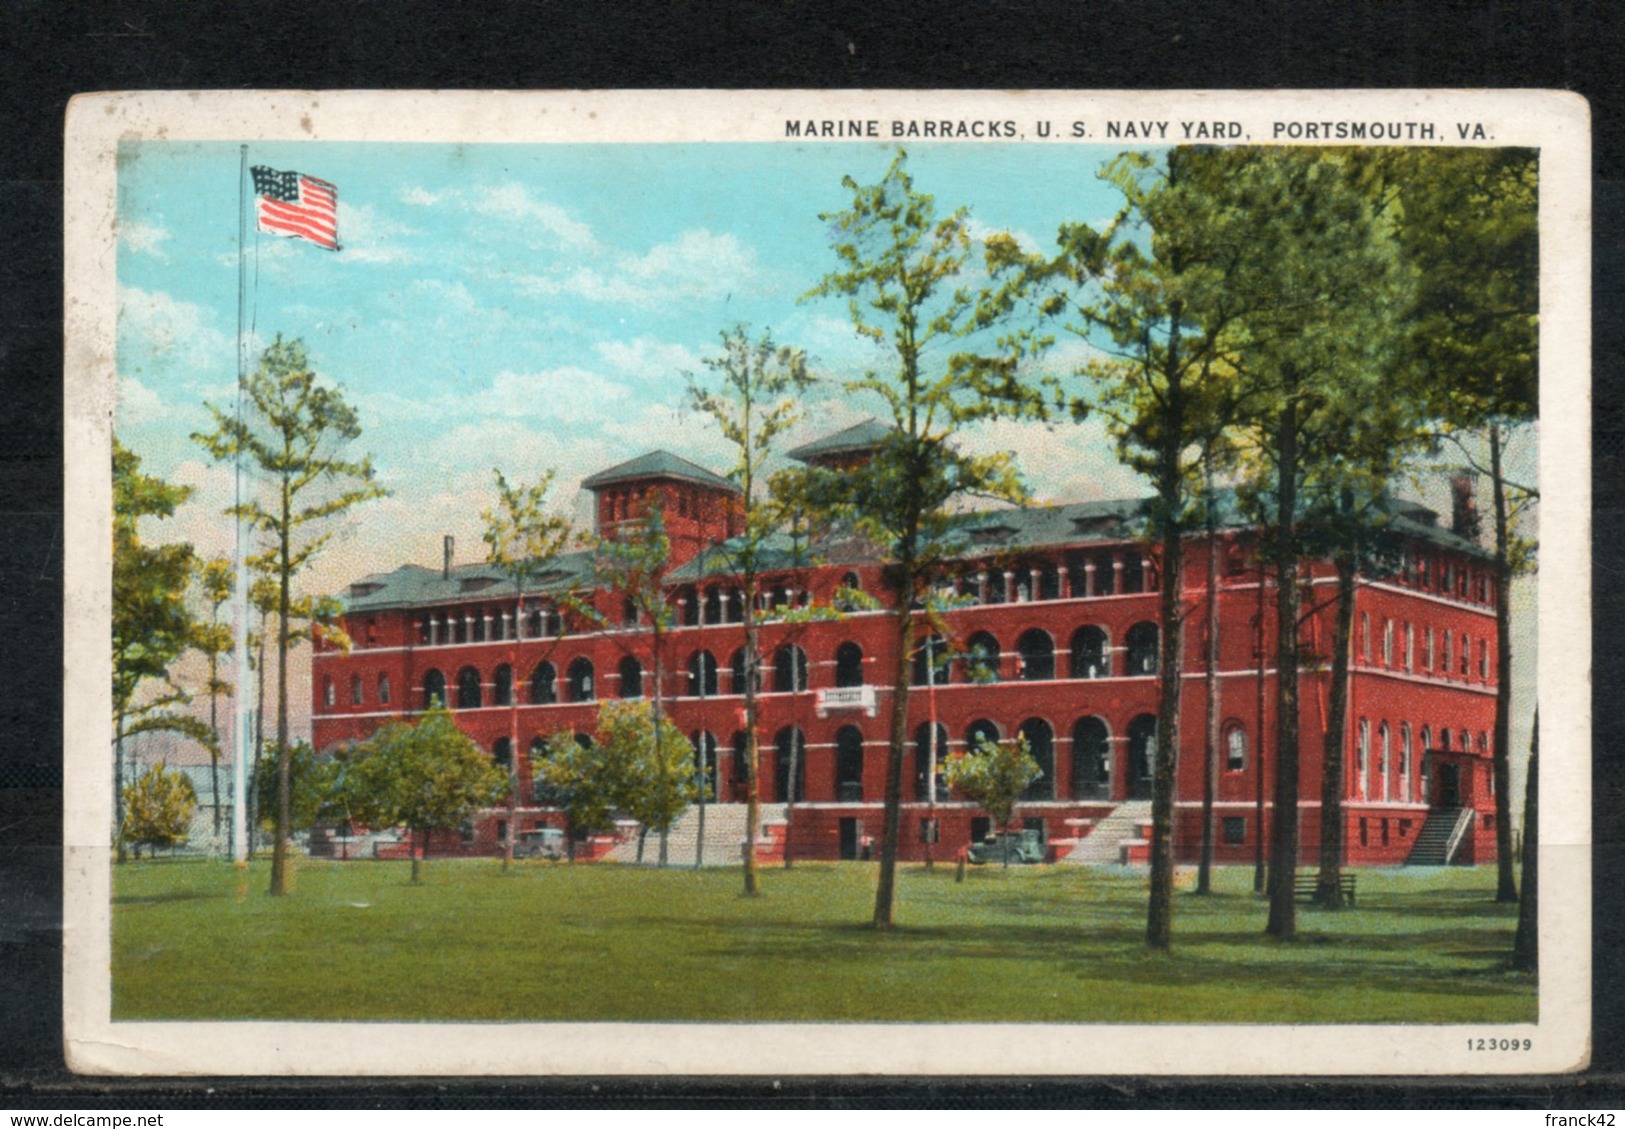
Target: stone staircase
{"x":1436,"y":843}
{"x":724,"y":832}
{"x":1103,"y":846}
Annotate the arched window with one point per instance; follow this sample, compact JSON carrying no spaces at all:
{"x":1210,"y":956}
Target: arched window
{"x":468,"y":689}
{"x":849,"y":665}
{"x":1041,"y":747}
{"x":734,"y":611}
{"x":1089,"y":655}
{"x":713,"y":605}
{"x":1483,"y":660}
{"x":1037,"y":652}
{"x":1091,"y":760}
{"x":924,"y":753}
{"x":1362,"y":761}
{"x":1405,"y":761}
{"x":982,"y":658}
{"x":789,"y":669}
{"x":329,"y":694}
{"x":740,"y":771}
{"x":1383,"y":763}
{"x":1388,"y":643}
{"x":434,"y":689}
{"x":1466,"y":655}
{"x":1426,"y":766}
{"x":1142,"y":756}
{"x":358,"y":693}
{"x":580,"y":678}
{"x":932,"y":661}
{"x":383,"y":689}
{"x":1447,"y":653}
{"x":978,"y":731}
{"x":1427,"y":651}
{"x":702,"y":675}
{"x":736,"y":670}
{"x":502,"y":752}
{"x":543,"y":691}
{"x":541,"y":790}
{"x":790,"y":758}
{"x":1142,"y":648}
{"x":1365,"y":637}
{"x":502,"y":693}
{"x":705,"y":761}
{"x":1410,"y":648}
{"x":1235,"y":749}
{"x":631,"y":680}
{"x":849,"y":765}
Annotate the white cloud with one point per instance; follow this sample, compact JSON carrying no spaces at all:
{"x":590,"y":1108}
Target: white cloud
{"x":368,"y":237}
{"x":156,"y":331}
{"x":144,"y":238}
{"x":567,"y":395}
{"x":647,"y":358}
{"x":138,"y":404}
{"x":512,"y":203}
{"x":697,"y":264}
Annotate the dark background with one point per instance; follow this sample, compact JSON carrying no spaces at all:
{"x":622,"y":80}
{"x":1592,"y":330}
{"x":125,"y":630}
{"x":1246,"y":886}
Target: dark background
{"x":57,"y":49}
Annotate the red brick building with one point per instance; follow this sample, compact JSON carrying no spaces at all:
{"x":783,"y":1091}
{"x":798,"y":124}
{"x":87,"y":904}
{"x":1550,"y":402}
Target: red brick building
{"x":1055,"y":637}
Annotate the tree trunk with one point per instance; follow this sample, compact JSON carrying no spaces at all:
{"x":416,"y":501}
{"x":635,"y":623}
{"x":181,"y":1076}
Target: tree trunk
{"x":422,"y":838}
{"x":1260,"y":870}
{"x":886,"y":887}
{"x":753,"y":803}
{"x":1283,"y":923}
{"x":284,"y":759}
{"x":214,"y":727}
{"x":259,"y":739}
{"x":1159,"y":916}
{"x":660,"y":679}
{"x":1506,"y":887}
{"x":118,"y":788}
{"x":1329,"y":883}
{"x":1526,"y":941}
{"x":1210,"y":762}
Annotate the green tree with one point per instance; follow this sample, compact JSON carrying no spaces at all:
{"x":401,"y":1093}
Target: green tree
{"x":753,"y":395}
{"x":646,"y":761}
{"x":292,"y":430}
{"x":426,"y":775}
{"x":152,"y":625}
{"x":1468,"y":220}
{"x":523,"y":540}
{"x":158,"y":807}
{"x":994,"y":775}
{"x":213,"y":639}
{"x":634,"y":563}
{"x":314,"y":792}
{"x":580,"y":783}
{"x":1154,"y":292}
{"x":905,"y":274}
{"x":1328,"y":291}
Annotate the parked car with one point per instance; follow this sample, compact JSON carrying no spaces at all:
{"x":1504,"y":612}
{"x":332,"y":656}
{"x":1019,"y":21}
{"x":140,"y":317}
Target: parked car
{"x":543,"y":843}
{"x":1012,"y":846}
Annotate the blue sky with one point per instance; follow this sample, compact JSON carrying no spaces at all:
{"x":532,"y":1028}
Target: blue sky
{"x":530,"y":306}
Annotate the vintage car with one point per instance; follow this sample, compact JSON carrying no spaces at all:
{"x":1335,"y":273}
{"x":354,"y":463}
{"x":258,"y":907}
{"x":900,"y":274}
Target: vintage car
{"x":542,"y":843}
{"x":1012,"y":846}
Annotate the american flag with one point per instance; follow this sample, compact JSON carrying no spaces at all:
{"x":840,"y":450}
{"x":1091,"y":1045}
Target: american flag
{"x":296,"y":205}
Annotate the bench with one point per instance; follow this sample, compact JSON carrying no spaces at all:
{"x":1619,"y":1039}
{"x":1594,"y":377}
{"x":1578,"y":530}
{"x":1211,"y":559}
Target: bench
{"x":1304,"y":886}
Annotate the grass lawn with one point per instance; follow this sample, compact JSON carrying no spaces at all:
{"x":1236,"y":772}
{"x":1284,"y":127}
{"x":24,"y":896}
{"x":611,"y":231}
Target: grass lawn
{"x":549,"y":941}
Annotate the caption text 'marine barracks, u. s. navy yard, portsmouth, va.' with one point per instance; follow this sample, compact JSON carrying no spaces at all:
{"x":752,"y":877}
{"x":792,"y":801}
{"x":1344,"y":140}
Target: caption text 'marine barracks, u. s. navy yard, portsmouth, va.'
{"x":1157,"y":131}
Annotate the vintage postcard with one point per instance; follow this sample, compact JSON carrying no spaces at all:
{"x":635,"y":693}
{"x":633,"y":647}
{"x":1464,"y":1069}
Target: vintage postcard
{"x":828,"y":582}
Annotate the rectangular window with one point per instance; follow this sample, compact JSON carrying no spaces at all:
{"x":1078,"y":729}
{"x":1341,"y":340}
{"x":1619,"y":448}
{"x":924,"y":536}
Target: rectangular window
{"x":1385,"y":832}
{"x":1365,"y":840}
{"x":1235,"y":829}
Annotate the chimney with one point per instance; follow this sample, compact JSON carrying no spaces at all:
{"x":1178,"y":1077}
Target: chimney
{"x":450,"y":548}
{"x":1463,"y":507}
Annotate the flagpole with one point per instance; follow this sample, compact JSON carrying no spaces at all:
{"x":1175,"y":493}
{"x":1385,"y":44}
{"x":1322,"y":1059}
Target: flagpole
{"x":242,"y":717}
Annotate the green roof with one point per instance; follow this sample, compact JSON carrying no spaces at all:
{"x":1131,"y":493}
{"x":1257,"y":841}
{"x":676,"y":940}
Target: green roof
{"x":659,"y":464}
{"x":865,"y":436}
{"x":412,"y":585}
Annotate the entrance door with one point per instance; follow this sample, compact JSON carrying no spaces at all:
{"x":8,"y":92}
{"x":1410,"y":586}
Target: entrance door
{"x":849,"y":839}
{"x":1449,"y":786}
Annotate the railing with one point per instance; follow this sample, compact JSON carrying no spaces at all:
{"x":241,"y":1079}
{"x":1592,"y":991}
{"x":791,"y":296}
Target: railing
{"x":1464,"y":820}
